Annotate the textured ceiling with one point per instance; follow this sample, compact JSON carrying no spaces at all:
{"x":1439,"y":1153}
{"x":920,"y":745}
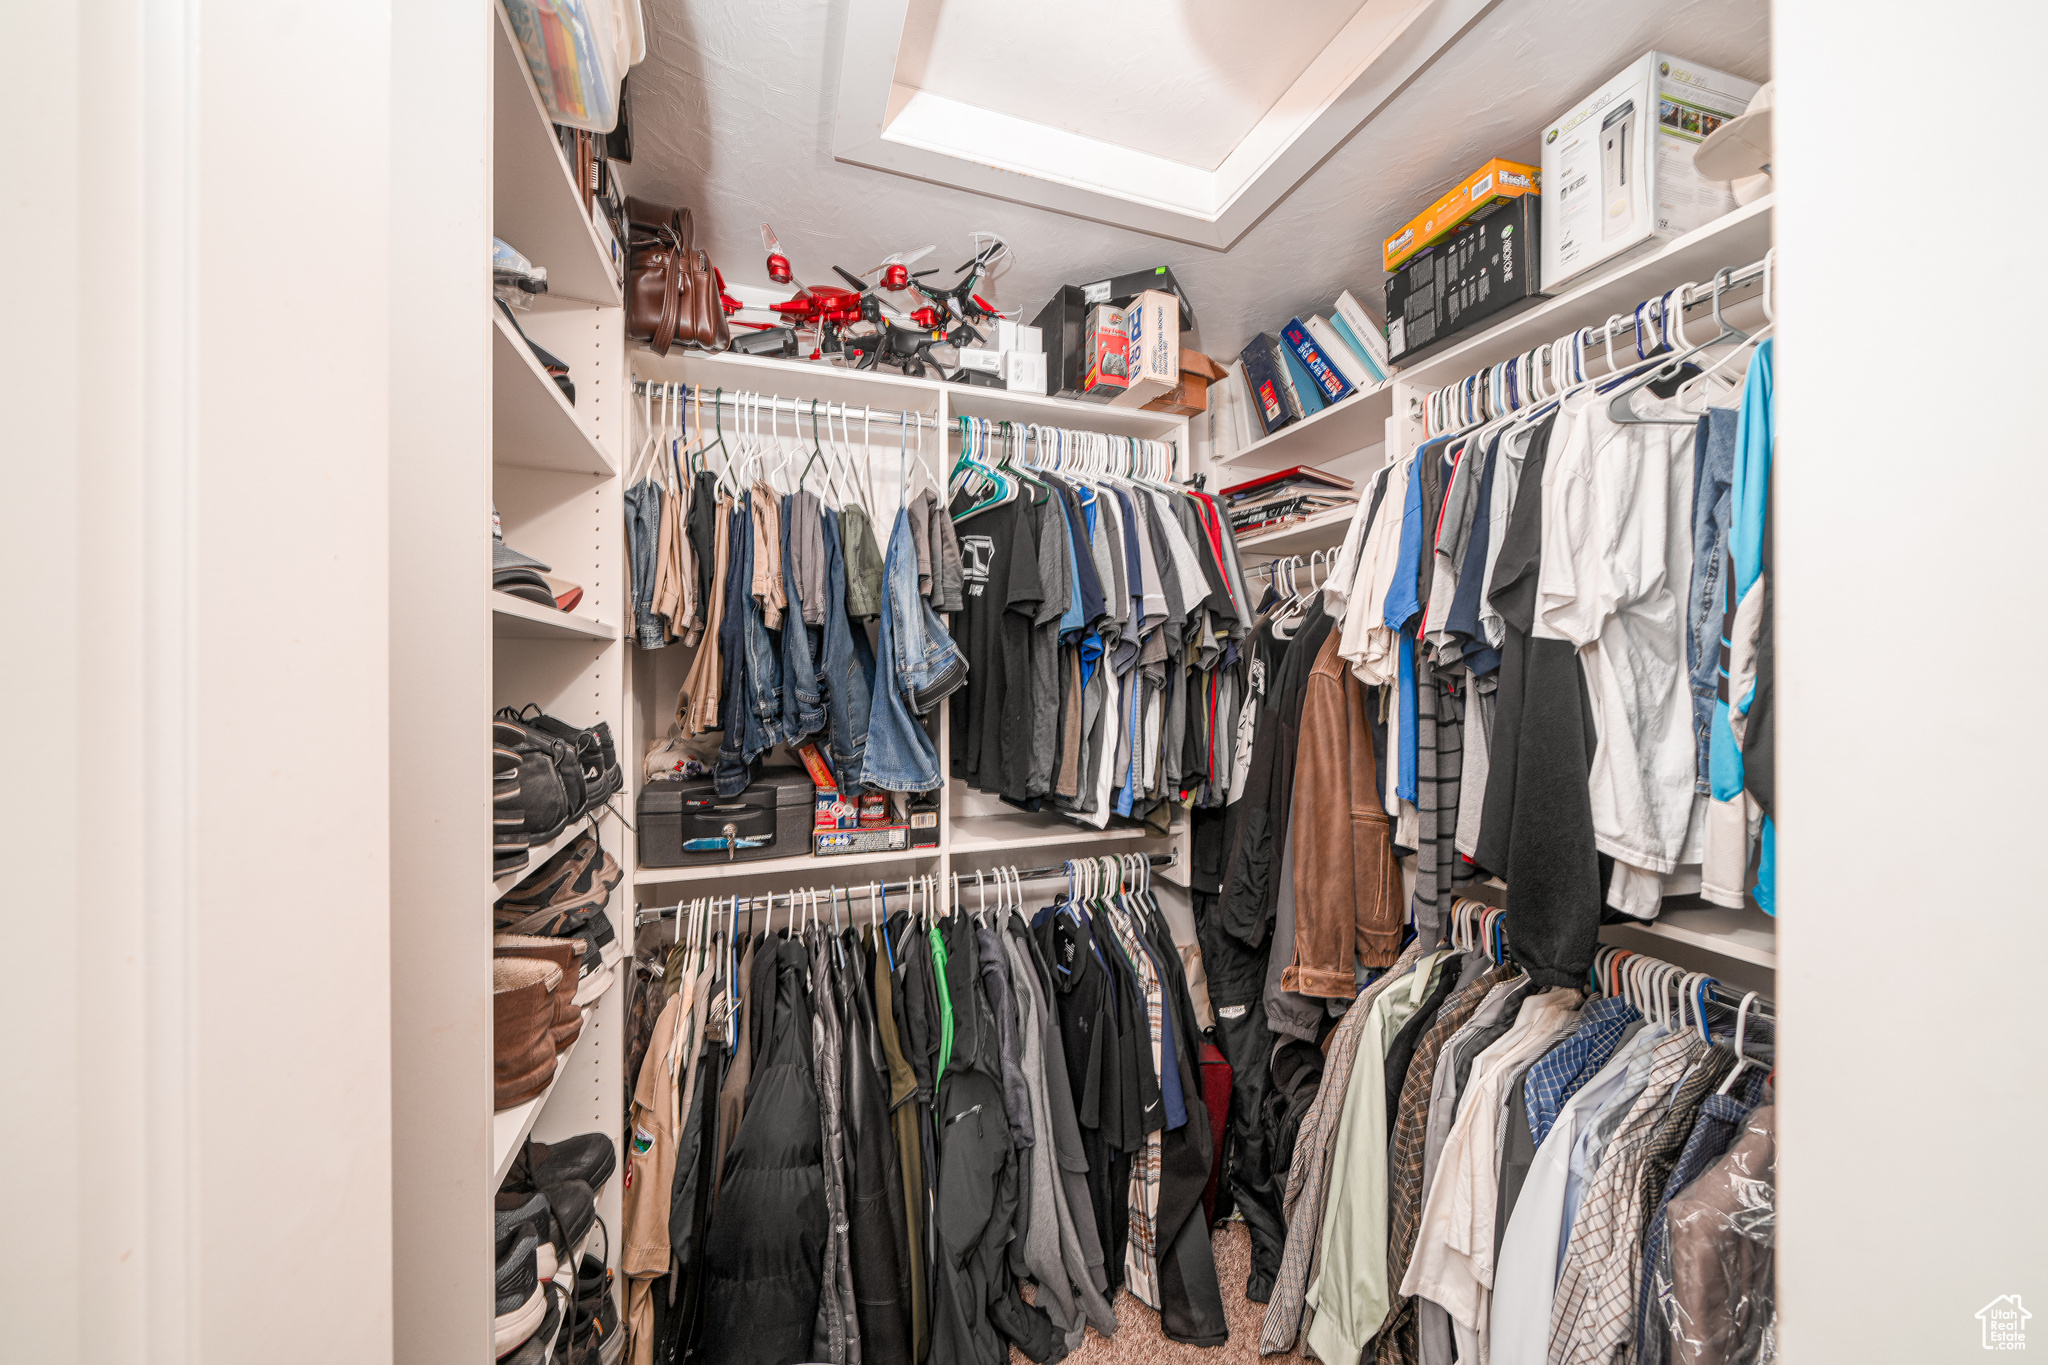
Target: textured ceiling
{"x":1213,"y":66}
{"x":732,"y":114}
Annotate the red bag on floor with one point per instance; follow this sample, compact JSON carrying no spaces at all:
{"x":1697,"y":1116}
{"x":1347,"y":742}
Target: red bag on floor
{"x":1216,"y":1079}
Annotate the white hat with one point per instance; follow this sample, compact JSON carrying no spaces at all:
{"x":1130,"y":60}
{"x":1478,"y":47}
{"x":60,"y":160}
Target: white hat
{"x":1740,"y":147}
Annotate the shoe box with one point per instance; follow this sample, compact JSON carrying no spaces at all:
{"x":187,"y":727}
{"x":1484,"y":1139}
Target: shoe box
{"x":684,"y":822}
{"x":1481,"y":273}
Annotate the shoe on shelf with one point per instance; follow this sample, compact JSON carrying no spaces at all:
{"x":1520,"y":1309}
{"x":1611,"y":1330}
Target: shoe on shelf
{"x":596,"y":756}
{"x":522,"y":1023}
{"x":521,"y":1214}
{"x":592,"y":1327}
{"x":568,"y":1021}
{"x":592,"y":925}
{"x":539,"y":1349}
{"x":522,"y":1307}
{"x":580,"y":876}
{"x":588,"y":1157}
{"x":550,"y":776}
{"x":508,"y":817}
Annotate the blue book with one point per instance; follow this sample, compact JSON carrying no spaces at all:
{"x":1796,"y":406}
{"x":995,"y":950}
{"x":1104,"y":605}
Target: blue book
{"x":1372,"y":366}
{"x":1329,"y":381}
{"x":1266,"y":386}
{"x":1313,"y":399}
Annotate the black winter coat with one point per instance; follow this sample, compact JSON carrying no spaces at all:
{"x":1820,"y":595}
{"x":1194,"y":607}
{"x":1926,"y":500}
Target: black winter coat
{"x":764,"y":1253}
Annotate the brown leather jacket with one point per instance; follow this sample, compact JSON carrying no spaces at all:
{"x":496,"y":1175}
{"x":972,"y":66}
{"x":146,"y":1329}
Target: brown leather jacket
{"x":1347,"y":882}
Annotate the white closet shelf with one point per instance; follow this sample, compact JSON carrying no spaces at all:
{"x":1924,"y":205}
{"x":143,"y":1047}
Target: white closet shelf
{"x":1339,"y":430}
{"x":536,"y":207}
{"x":766,"y":867}
{"x":532,"y":424}
{"x":887,"y":391}
{"x":882,"y":390}
{"x":1734,"y":239}
{"x":1745,"y":935}
{"x":509,"y":1127}
{"x":1323,"y":531}
{"x":515,"y":618}
{"x":995,"y":833}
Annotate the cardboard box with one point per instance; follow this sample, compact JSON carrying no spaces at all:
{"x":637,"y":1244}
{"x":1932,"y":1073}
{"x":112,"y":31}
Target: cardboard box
{"x":1152,"y":335}
{"x":1497,"y":180}
{"x":1485,"y":271}
{"x":1191,"y":395}
{"x":988,"y":362}
{"x":1107,"y":348}
{"x":1618,"y":169}
{"x":1118,"y":291}
{"x":1060,"y":324}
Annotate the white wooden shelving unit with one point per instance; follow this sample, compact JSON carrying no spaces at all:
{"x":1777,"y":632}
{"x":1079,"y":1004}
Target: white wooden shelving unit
{"x":976,"y":831}
{"x":555,"y":485}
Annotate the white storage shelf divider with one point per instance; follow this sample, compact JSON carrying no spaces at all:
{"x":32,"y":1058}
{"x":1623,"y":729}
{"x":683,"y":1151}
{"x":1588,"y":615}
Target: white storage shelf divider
{"x":555,"y":486}
{"x":973,"y":827}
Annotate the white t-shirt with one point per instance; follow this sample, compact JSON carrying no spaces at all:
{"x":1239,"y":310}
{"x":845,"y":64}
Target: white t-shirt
{"x":1616,"y":569}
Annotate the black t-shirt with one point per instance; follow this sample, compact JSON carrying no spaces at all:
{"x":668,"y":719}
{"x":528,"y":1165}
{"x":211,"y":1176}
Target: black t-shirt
{"x":992,"y":714}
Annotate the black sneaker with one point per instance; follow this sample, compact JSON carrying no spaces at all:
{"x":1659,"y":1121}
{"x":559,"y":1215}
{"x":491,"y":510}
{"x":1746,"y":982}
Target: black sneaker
{"x":592,"y":1327}
{"x":594,"y":753}
{"x":588,"y":1157}
{"x":550,"y":779}
{"x":521,"y":1307}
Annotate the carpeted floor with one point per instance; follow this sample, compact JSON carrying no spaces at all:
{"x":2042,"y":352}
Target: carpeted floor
{"x":1138,"y":1338}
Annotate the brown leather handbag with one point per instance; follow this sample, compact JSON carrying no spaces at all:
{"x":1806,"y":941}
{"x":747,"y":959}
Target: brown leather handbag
{"x":671,"y":289}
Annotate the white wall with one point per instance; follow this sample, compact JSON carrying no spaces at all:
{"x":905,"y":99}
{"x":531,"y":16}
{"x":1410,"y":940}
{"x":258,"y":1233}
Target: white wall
{"x":194,"y":1143}
{"x":1910,"y":652}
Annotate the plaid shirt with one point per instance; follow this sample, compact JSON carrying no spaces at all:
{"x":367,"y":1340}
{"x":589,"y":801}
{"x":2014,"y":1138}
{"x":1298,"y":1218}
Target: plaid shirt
{"x":1141,"y":1251}
{"x":1559,"y":1073}
{"x":1592,"y":1316}
{"x":1308,"y":1177}
{"x":1395,"y":1344}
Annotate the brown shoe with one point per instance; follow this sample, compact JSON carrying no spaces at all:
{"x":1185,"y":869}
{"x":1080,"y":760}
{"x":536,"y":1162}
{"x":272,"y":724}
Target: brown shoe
{"x":522,"y":1028}
{"x":563,"y":952}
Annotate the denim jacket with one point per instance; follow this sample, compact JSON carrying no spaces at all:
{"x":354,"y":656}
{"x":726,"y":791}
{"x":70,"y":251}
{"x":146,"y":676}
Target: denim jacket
{"x":928,"y":664}
{"x":900,"y":755}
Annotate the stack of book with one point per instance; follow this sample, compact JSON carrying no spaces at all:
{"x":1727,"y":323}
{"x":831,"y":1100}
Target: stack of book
{"x":1312,"y":364}
{"x":1284,"y":497}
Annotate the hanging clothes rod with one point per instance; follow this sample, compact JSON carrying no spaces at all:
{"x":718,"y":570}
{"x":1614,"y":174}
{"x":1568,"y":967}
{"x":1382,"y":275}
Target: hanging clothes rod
{"x":869,"y":890}
{"x":1513,"y":385}
{"x":1477,"y":925}
{"x":775,"y":403}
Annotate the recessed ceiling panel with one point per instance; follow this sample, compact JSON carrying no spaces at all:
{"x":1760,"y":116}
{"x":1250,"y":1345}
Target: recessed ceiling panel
{"x":1185,"y":118}
{"x":1185,"y":80}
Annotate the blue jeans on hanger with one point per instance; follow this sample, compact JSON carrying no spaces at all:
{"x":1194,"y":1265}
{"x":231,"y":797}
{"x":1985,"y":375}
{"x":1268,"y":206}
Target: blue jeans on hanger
{"x":803,"y":713}
{"x":849,"y":668}
{"x":643,"y":532}
{"x":1713,"y":477}
{"x":764,"y":658}
{"x":929,"y":666}
{"x":900,"y":755}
